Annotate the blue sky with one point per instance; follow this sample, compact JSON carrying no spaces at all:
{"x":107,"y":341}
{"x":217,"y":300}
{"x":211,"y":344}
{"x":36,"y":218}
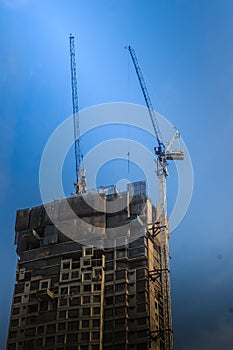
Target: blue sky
{"x":185,"y":50}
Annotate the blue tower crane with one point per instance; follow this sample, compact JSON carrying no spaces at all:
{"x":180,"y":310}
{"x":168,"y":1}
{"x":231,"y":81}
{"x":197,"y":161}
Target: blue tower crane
{"x":80,"y":184}
{"x":163,"y":154}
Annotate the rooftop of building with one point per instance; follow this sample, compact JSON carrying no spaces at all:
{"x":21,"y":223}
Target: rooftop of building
{"x":96,"y":217}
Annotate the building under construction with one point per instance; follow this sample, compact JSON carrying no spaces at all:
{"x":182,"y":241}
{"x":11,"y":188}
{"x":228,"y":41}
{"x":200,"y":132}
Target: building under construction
{"x":73,"y":296}
{"x":93,"y":270}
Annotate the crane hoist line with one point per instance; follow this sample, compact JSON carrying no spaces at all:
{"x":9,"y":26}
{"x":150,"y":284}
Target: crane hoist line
{"x":80,"y":184}
{"x":163,"y":154}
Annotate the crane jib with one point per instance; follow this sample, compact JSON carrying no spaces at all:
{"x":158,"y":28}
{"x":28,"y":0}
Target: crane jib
{"x":146,"y":97}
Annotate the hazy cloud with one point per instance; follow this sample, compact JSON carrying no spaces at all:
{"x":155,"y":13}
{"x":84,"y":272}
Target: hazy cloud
{"x":14,"y":3}
{"x":220,"y":337}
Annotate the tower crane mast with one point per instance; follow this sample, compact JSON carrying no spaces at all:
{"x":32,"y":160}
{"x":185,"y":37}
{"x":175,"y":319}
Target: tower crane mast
{"x":163,"y":155}
{"x":80,"y":184}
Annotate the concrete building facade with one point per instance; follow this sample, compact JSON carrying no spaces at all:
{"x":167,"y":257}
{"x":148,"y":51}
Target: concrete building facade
{"x":76,"y":296}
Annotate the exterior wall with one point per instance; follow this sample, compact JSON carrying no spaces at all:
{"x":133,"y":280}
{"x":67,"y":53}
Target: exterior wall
{"x":71,"y":296}
{"x":58,"y":299}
